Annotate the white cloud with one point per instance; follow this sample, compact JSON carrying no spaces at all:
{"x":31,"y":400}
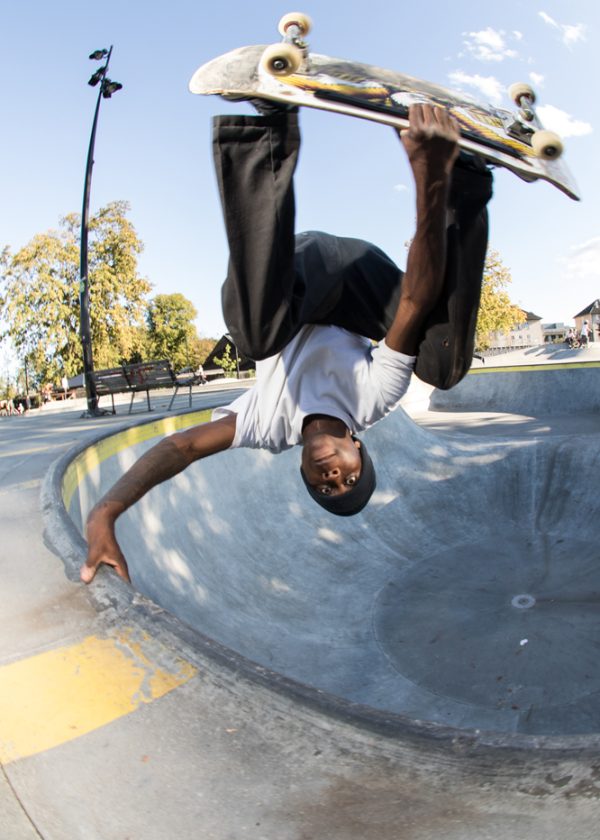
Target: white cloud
{"x":563,"y":123}
{"x":583,"y":260}
{"x":536,"y":79}
{"x":491,"y":89}
{"x":400,"y":187}
{"x":547,"y":19}
{"x":570,"y":33}
{"x":488,"y":45}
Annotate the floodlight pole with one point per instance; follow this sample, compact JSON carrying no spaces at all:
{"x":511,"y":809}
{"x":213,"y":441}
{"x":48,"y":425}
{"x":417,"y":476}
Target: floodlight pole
{"x":85,"y":330}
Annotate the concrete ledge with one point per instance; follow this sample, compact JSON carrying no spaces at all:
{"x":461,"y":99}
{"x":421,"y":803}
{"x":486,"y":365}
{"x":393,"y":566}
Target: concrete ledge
{"x":545,"y":390}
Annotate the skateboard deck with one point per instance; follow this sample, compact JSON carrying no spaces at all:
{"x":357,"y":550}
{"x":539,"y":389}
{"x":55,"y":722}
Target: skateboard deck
{"x":500,"y":136}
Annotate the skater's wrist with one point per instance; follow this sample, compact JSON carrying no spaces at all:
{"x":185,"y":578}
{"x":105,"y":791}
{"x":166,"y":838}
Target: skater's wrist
{"x":105,"y":512}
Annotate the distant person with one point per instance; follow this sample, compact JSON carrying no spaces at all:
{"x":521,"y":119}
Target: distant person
{"x":199,"y":374}
{"x":584,"y":334}
{"x":307,"y":308}
{"x":570,"y":339}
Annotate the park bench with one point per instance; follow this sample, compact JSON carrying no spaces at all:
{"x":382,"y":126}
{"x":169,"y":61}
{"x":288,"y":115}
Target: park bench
{"x":187,"y":380}
{"x":147,"y":376}
{"x":142,"y":377}
{"x":111,"y":381}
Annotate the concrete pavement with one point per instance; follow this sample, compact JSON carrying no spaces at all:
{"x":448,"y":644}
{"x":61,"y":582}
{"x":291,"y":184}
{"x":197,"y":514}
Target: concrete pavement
{"x":251,"y":723}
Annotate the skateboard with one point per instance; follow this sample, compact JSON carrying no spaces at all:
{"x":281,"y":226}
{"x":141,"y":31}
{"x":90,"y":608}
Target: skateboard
{"x":287,"y":72}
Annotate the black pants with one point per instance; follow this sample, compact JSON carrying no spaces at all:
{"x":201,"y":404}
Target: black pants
{"x":278,"y":282}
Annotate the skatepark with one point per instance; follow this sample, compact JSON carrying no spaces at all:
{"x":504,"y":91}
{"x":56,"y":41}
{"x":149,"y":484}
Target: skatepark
{"x":427,"y":668}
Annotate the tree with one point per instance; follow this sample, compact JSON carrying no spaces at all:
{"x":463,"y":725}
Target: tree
{"x":7,"y":389}
{"x":39,"y":294}
{"x":171,"y":331}
{"x":203,"y":347}
{"x":496,"y":312}
{"x":228,"y":362}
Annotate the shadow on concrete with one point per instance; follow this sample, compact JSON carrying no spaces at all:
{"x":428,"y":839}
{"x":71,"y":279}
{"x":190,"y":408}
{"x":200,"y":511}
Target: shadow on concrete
{"x":465,"y":600}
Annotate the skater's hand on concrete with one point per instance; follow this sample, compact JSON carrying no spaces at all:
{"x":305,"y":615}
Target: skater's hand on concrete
{"x":102,"y":547}
{"x":431,"y":140}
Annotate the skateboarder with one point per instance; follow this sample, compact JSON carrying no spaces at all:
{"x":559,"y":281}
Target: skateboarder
{"x":307,"y":307}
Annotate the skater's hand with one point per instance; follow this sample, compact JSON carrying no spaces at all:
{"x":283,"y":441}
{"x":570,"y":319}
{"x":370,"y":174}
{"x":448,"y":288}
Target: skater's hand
{"x":102,"y":546}
{"x":431,"y":140}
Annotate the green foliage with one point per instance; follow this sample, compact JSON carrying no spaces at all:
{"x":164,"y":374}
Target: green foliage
{"x":202,"y":348}
{"x":496,"y":312}
{"x":226,"y":362}
{"x":39,"y":297}
{"x":7,"y":388}
{"x":171,"y":331}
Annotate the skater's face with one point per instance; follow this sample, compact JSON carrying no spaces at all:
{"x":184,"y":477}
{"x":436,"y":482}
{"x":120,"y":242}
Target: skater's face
{"x":331,"y":464}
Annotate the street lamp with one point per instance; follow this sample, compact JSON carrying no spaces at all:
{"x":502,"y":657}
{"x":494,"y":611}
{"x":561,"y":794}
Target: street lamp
{"x":106,"y":90}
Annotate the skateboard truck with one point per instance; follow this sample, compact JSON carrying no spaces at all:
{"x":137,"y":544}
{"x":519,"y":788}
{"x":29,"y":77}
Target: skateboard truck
{"x":291,"y":54}
{"x":545,"y":144}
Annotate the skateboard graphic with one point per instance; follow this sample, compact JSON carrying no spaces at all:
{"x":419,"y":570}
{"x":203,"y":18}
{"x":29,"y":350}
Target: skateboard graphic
{"x":289,"y":73}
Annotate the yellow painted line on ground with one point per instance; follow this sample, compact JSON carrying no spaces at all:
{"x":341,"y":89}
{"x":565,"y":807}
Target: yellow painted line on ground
{"x":537,"y":368}
{"x":62,"y":694}
{"x":95,"y":454}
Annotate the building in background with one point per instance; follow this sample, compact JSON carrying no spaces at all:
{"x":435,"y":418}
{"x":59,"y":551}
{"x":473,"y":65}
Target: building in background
{"x":555,"y":333}
{"x":591,"y":314}
{"x":532,"y":333}
{"x":527,"y":334}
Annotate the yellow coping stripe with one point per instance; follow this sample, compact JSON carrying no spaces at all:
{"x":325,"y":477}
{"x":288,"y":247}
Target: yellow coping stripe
{"x":536,"y":368}
{"x":57,"y":696}
{"x":95,"y":454}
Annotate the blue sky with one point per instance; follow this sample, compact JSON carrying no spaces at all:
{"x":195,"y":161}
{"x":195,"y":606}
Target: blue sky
{"x":153,"y":145}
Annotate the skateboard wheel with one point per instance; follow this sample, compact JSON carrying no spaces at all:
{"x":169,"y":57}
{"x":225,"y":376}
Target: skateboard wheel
{"x":302,"y":21}
{"x":281,"y":59}
{"x":546,"y":144}
{"x":519,"y":90}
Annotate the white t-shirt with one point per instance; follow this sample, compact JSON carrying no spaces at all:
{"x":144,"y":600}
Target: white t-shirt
{"x":323,"y":370}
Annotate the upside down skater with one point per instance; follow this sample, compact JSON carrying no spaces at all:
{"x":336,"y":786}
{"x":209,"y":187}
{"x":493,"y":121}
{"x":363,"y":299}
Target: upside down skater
{"x":307,"y":308}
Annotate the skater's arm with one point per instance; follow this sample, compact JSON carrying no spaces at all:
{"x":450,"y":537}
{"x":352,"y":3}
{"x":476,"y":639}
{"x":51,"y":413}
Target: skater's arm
{"x":431,"y":145}
{"x":168,"y":458}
